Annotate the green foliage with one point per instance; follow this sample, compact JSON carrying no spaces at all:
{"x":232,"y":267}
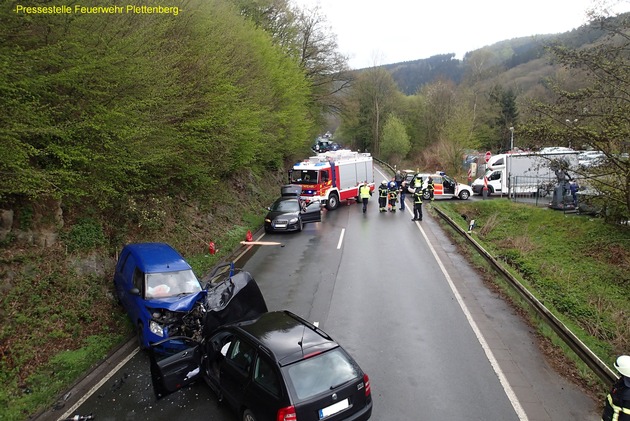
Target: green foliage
{"x":395,"y":144}
{"x":106,"y":107}
{"x":85,"y":235}
{"x":46,"y":308}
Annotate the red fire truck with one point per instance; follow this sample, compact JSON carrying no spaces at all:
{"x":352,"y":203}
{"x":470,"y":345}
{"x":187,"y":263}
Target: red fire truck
{"x":333,"y":176}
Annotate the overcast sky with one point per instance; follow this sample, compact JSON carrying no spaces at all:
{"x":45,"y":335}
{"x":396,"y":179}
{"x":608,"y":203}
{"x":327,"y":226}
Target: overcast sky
{"x":375,"y":32}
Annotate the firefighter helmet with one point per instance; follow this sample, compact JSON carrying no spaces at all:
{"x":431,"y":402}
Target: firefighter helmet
{"x":623,"y":365}
{"x":384,"y":183}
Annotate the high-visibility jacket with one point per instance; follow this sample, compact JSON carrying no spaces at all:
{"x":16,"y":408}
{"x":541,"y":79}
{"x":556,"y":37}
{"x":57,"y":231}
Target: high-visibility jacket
{"x":364,"y":191}
{"x":382,"y":191}
{"x":393,"y":194}
{"x":617,"y":405}
{"x":417,"y":196}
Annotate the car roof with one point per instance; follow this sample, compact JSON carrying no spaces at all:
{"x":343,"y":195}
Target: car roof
{"x":287,"y":199}
{"x":156,"y":257}
{"x":286,"y":336}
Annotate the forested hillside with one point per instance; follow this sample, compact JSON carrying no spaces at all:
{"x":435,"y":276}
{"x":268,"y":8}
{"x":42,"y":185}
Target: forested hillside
{"x":410,"y":76}
{"x":124,"y":126}
{"x":566,"y":90}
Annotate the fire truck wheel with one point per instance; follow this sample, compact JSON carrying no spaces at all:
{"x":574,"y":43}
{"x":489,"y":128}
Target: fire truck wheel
{"x":333,"y":202}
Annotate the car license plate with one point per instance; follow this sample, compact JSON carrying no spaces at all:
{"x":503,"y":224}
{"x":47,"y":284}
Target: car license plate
{"x":333,"y":409}
{"x":280,"y":225}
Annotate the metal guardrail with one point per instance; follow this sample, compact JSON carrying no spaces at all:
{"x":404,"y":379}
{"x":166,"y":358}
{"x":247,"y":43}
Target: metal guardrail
{"x":583,"y":352}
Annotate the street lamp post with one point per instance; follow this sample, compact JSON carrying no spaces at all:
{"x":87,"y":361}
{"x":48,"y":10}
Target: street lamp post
{"x":511,"y":138}
{"x":571,"y":124}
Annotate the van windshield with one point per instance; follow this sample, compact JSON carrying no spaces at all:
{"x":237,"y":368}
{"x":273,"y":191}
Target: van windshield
{"x":170,"y":284}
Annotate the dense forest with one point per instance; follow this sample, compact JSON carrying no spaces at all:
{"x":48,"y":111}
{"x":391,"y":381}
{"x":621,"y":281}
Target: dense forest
{"x":178,"y":126}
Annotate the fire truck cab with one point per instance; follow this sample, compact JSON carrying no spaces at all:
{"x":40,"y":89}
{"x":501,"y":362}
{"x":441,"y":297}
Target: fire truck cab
{"x":333,"y":176}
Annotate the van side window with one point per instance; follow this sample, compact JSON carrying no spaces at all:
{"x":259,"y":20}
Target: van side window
{"x":138,"y":279}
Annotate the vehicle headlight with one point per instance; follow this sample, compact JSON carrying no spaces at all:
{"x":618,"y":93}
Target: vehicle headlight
{"x":293,"y":221}
{"x":156,"y":328}
{"x":267,"y":220}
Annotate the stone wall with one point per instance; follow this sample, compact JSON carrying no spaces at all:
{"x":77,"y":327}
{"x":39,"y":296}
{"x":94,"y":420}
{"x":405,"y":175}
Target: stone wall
{"x":33,"y":223}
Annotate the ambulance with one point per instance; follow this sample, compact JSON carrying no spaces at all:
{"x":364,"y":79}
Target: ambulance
{"x":444,"y":187}
{"x":333,"y":176}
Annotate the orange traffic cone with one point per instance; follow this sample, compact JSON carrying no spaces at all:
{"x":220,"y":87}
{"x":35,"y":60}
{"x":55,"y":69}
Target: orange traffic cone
{"x":249,"y":236}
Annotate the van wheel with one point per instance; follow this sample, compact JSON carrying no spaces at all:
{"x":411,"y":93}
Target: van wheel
{"x":248,"y":415}
{"x":332,"y":202}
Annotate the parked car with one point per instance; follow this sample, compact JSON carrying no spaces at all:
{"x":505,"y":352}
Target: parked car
{"x":444,"y":187}
{"x":276,"y":367}
{"x":591,"y":158}
{"x":290,"y":212}
{"x":163,"y":297}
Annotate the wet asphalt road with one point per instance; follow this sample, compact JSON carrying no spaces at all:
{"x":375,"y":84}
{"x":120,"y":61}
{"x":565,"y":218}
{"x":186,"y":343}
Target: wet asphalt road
{"x":397,"y":295}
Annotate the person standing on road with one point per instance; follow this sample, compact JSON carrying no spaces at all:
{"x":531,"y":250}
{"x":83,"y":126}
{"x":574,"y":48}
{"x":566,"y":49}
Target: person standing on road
{"x":417,"y":205}
{"x":382,"y":197}
{"x":398,"y":178}
{"x":403,"y":190}
{"x":617,"y":405}
{"x":364,"y":194}
{"x":430,"y":187}
{"x":393,"y":196}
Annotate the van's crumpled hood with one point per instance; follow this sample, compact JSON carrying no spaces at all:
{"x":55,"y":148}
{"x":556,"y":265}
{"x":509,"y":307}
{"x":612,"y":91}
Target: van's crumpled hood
{"x":183,"y":303}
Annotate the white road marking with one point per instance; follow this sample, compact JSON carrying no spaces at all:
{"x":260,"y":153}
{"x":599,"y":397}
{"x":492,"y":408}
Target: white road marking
{"x":85,"y":397}
{"x":520,"y":412}
{"x":343,"y":231}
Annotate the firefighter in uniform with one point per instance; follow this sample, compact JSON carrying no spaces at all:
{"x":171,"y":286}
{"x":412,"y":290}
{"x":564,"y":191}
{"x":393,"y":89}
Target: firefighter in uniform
{"x":417,"y":205}
{"x":392,"y":196}
{"x":617,"y":405}
{"x":364,"y":194}
{"x":430,"y":187}
{"x":382,"y":197}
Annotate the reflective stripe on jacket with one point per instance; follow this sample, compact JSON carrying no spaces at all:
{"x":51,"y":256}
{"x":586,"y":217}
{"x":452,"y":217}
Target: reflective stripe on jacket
{"x":617,"y":406}
{"x":417,"y":197}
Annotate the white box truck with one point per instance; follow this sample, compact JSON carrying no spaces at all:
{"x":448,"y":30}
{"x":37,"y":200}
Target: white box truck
{"x":525,"y":172}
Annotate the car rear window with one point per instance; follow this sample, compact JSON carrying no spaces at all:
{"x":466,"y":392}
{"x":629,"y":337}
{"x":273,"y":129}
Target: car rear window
{"x":322,"y":373}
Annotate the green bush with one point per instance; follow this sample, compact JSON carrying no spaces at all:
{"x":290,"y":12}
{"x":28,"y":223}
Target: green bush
{"x":85,"y":235}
